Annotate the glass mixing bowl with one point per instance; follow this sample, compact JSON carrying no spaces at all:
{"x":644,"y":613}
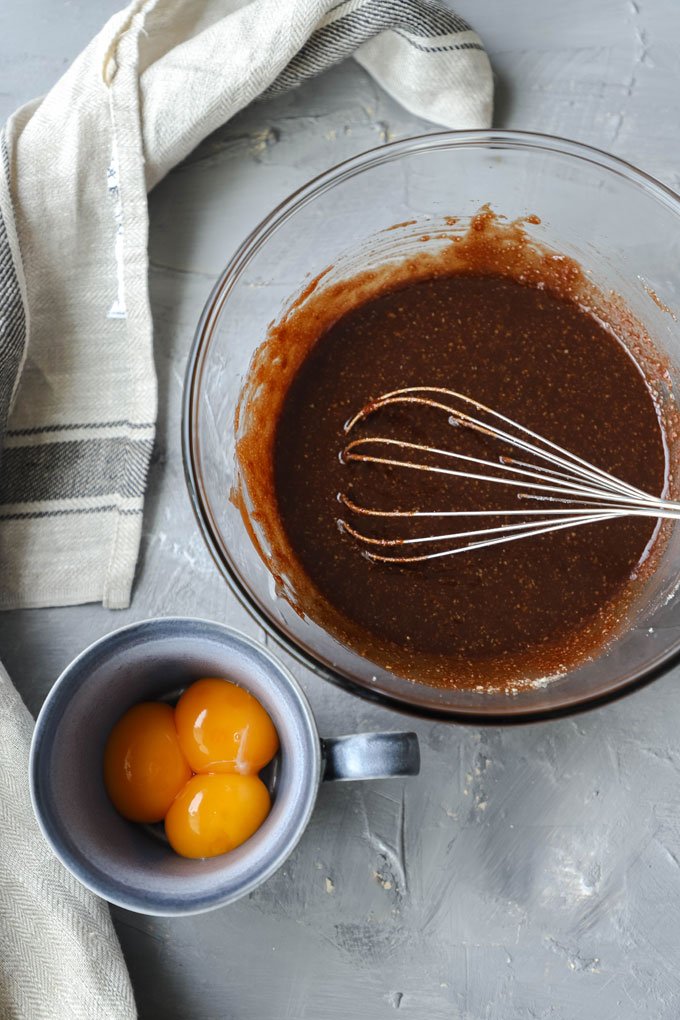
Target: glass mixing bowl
{"x":622,"y":226}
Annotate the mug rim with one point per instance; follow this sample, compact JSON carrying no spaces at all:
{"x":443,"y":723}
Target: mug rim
{"x":96,"y":879}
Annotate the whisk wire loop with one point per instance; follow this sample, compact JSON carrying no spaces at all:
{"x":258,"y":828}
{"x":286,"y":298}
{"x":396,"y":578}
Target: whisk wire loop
{"x":585,"y":493}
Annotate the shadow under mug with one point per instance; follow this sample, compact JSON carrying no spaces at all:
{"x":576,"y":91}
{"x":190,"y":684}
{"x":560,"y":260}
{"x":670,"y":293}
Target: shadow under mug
{"x":132,"y":865}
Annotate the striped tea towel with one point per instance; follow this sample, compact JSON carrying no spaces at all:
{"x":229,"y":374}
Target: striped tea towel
{"x":77,"y":384}
{"x":74,"y":307}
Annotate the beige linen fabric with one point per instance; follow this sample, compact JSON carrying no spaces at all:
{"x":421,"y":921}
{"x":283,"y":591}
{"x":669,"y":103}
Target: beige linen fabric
{"x":59,"y":956}
{"x":160,"y":76}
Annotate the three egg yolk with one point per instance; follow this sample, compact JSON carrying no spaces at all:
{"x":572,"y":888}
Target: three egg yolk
{"x":195,"y":766}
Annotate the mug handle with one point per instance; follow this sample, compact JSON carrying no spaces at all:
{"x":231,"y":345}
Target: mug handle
{"x":370,"y":756}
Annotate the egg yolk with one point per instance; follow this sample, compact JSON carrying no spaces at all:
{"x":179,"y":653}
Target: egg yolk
{"x":215,"y":813}
{"x":144,"y":768}
{"x":223,"y":728}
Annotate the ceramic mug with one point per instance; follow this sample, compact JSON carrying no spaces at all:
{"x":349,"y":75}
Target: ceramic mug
{"x":132,"y":865}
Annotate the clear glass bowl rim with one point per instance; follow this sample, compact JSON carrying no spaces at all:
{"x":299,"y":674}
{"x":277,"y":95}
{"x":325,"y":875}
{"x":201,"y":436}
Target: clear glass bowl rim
{"x":389,"y":152}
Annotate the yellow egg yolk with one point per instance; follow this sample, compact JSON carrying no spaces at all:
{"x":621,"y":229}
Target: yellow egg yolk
{"x":144,"y":767}
{"x":216,"y":813}
{"x":223,"y":728}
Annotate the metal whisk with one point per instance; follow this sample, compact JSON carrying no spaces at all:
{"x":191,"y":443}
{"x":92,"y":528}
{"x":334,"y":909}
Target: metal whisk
{"x":585,"y":493}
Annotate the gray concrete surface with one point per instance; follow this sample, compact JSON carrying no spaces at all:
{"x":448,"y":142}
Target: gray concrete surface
{"x":528,"y":873}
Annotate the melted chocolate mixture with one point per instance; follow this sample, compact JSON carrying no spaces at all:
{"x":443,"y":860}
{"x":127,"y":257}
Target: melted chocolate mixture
{"x":508,"y":612}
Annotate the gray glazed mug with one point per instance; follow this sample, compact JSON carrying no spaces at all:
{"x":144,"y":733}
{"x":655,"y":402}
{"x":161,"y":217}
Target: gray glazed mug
{"x":132,"y":865}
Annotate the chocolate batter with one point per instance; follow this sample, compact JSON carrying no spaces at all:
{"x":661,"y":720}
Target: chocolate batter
{"x":509,"y":612}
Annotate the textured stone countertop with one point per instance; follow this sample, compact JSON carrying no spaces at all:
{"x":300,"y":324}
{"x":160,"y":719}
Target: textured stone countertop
{"x":531,"y":872}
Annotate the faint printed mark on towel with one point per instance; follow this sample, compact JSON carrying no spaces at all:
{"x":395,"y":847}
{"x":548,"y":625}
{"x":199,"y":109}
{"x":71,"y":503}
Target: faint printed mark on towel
{"x":117,"y":309}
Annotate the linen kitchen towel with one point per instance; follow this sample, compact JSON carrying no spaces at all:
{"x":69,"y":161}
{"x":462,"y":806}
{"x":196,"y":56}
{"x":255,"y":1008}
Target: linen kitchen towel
{"x":59,"y":956}
{"x":77,"y":384}
{"x":75,"y":170}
